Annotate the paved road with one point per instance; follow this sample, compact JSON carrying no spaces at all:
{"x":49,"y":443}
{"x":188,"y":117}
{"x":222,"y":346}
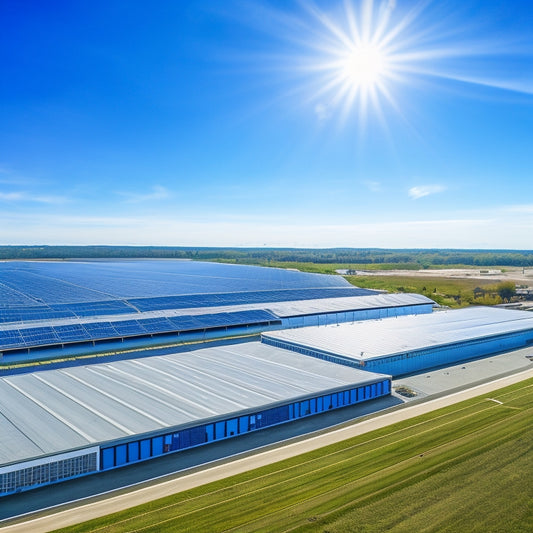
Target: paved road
{"x":88,"y":511}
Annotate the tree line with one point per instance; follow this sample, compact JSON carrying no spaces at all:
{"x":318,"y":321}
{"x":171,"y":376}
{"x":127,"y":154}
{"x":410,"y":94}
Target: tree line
{"x":404,"y":258}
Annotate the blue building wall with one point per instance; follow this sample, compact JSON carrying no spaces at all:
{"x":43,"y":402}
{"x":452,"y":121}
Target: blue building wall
{"x":354,"y":316}
{"x":141,"y":449}
{"x":410,"y":362}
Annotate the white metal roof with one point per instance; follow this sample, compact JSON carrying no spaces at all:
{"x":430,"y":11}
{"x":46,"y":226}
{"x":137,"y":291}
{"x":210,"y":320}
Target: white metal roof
{"x":334,"y":305}
{"x":53,"y":411}
{"x":377,"y":338}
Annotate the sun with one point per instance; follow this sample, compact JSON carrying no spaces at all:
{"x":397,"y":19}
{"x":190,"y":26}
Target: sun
{"x":364,"y":66}
{"x":356,"y":59}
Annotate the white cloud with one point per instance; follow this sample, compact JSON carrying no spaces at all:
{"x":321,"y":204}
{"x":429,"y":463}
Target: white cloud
{"x":20,"y":196}
{"x":158,"y":193}
{"x":424,"y":190}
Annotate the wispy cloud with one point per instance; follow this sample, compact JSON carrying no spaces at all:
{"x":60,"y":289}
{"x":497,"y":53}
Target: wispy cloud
{"x":22,"y":196}
{"x":158,"y":193}
{"x":8,"y":177}
{"x":11,"y":196}
{"x":374,"y":186}
{"x":425,"y":190}
{"x":520,"y":208}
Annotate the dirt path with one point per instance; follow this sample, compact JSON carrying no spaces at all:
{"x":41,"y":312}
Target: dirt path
{"x":88,"y":511}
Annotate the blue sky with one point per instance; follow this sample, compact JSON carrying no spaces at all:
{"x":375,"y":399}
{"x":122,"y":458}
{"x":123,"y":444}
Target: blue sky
{"x":279,"y":123}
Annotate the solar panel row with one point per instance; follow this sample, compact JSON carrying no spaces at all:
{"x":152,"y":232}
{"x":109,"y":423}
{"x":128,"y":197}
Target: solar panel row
{"x":212,"y":300}
{"x":118,"y":307}
{"x":33,"y":313}
{"x":41,"y":336}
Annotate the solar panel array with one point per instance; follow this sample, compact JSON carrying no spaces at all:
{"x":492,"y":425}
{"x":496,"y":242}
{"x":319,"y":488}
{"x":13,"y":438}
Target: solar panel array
{"x":50,"y":335}
{"x":46,"y":283}
{"x":62,"y":292}
{"x":53,"y":290}
{"x":117,"y":307}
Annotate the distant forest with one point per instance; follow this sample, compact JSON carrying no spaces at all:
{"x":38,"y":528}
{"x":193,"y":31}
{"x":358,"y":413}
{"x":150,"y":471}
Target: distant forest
{"x":411,"y":258}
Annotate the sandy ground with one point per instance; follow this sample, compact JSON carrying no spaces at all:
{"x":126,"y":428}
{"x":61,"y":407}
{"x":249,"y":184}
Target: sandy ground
{"x":522,"y":276}
{"x":112,"y":504}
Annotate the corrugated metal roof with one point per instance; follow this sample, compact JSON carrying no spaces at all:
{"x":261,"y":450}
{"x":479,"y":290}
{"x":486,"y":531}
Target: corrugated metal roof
{"x":53,"y":411}
{"x":378,"y":338}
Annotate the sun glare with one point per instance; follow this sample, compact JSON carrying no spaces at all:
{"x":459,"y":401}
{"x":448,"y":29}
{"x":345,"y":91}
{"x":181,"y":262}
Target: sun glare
{"x":357,"y":60}
{"x":364,"y":66}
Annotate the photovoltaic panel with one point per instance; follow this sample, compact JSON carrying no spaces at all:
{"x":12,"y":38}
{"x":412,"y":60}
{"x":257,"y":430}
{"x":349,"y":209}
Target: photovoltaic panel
{"x":157,"y":325}
{"x":185,"y":323}
{"x":100,"y":330}
{"x":128,"y":327}
{"x":25,"y":315}
{"x":37,"y":336}
{"x":71,"y":333}
{"x":11,"y":338}
{"x":97,"y":308}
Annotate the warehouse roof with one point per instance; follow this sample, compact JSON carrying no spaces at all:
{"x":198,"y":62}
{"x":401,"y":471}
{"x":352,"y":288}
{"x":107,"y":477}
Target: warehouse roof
{"x":371,"y":339}
{"x":53,"y":411}
{"x":358,"y":303}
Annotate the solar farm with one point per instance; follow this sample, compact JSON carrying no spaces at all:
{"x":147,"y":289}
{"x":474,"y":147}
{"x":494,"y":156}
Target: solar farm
{"x":53,"y":304}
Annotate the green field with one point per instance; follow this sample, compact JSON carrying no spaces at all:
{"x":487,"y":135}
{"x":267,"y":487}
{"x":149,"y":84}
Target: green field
{"x":465,"y":468}
{"x":452,"y":292}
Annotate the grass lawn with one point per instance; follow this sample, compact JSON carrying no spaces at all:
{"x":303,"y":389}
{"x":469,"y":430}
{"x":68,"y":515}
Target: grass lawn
{"x":464,"y":468}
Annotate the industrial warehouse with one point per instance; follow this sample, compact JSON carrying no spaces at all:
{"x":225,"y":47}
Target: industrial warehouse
{"x":85,"y":419}
{"x":324,"y":345}
{"x":409,"y":344}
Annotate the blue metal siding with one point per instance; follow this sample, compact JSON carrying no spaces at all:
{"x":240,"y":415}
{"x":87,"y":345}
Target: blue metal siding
{"x":453,"y":353}
{"x":138,"y":450}
{"x":133,"y":451}
{"x":107,"y":459}
{"x":354,"y":316}
{"x":146,"y":449}
{"x":232,"y":427}
{"x":121,"y":454}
